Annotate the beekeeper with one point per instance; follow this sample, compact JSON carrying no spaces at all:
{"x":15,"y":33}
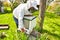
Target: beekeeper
{"x":20,"y":11}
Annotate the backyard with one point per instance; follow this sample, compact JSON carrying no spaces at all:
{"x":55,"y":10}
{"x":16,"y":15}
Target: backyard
{"x":51,"y":28}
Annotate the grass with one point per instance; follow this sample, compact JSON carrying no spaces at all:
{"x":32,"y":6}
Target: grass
{"x":8,"y":19}
{"x":51,"y":29}
{"x":52,"y":25}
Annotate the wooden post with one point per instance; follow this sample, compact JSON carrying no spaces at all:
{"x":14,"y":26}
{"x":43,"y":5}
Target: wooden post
{"x":41,"y":13}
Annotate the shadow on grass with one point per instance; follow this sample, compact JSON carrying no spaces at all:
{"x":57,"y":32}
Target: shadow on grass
{"x":45,"y":31}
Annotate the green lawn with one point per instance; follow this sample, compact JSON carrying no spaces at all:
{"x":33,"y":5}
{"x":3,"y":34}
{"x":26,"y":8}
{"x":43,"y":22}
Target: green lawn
{"x":8,"y":19}
{"x":51,"y":29}
{"x":52,"y":26}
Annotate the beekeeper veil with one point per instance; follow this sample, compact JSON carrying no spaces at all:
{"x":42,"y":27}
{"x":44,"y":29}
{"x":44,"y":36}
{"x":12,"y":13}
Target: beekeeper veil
{"x":32,"y":3}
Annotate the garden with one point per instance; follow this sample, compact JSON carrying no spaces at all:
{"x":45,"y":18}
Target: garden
{"x":51,"y":27}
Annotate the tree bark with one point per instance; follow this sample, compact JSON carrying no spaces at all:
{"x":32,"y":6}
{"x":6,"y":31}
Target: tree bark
{"x":41,"y":13}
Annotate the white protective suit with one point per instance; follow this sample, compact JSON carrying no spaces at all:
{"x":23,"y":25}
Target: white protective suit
{"x":21,"y":10}
{"x":38,"y":2}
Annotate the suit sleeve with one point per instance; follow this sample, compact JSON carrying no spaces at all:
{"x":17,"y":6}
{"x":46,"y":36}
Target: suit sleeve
{"x":20,"y":19}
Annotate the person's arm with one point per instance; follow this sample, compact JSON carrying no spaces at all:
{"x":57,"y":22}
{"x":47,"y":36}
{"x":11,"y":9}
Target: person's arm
{"x":20,"y":19}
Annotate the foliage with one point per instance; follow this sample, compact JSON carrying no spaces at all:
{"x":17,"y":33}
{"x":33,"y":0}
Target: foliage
{"x":15,"y":4}
{"x":57,"y":10}
{"x":54,"y":7}
{"x":7,"y":10}
{"x":6,"y":4}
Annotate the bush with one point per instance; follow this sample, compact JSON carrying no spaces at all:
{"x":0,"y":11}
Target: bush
{"x":7,"y":9}
{"x":57,"y":10}
{"x":6,"y":4}
{"x":54,"y":7}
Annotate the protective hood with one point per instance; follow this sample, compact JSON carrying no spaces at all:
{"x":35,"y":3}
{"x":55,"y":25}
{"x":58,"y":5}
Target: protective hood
{"x":38,"y":2}
{"x":32,"y":3}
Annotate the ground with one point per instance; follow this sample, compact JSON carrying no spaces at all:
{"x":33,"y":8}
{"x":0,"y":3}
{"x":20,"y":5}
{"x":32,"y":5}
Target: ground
{"x":51,"y":29}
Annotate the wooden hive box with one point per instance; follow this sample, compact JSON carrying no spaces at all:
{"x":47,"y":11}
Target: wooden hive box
{"x":29,"y":21}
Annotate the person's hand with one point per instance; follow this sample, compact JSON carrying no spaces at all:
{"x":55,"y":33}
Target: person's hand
{"x":23,"y":30}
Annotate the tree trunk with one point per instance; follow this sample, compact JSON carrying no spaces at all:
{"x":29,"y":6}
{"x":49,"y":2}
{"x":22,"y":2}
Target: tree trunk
{"x":41,"y":13}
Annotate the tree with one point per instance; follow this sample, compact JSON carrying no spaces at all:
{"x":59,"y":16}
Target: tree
{"x":15,"y":3}
{"x":41,"y":13}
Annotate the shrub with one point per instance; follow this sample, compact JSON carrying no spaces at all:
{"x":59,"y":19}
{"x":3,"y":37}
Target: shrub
{"x":54,"y":7}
